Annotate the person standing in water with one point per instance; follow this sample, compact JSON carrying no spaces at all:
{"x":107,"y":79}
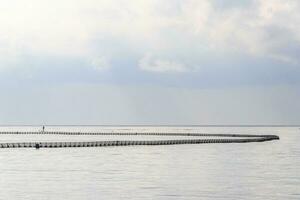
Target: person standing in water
{"x":43,"y":128}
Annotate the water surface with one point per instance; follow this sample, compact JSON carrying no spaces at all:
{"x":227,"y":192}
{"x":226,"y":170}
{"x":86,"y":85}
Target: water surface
{"x":268,"y":170}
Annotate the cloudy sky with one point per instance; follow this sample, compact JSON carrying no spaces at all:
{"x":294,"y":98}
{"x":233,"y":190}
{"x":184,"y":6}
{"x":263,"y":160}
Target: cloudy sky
{"x":150,"y":62}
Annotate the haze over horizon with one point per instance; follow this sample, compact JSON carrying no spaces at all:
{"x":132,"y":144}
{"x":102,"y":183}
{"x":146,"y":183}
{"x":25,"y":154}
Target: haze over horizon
{"x":150,"y":62}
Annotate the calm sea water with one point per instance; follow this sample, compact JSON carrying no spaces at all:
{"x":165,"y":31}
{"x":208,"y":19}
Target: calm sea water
{"x":269,"y":170}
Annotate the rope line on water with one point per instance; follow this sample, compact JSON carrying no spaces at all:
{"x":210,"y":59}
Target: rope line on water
{"x":238,"y":138}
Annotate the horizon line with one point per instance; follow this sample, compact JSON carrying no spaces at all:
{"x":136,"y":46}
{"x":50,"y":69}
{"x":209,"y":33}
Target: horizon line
{"x":160,"y":125}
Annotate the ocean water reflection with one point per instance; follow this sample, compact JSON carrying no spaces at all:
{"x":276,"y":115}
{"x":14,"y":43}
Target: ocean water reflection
{"x":267,"y":170}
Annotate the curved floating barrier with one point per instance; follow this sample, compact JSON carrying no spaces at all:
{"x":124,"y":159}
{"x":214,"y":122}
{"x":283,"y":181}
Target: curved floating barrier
{"x":226,"y":138}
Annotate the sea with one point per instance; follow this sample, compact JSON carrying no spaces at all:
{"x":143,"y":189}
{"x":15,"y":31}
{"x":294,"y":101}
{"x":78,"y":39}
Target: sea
{"x":267,"y":170}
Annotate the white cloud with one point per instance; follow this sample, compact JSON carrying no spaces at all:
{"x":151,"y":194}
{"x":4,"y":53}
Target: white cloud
{"x":71,"y":28}
{"x":148,"y":63}
{"x":100,"y":63}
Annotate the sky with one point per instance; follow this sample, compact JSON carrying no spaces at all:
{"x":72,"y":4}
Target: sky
{"x":150,"y":62}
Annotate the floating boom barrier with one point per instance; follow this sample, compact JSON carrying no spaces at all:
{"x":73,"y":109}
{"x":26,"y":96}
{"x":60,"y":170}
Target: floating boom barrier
{"x":226,"y":138}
